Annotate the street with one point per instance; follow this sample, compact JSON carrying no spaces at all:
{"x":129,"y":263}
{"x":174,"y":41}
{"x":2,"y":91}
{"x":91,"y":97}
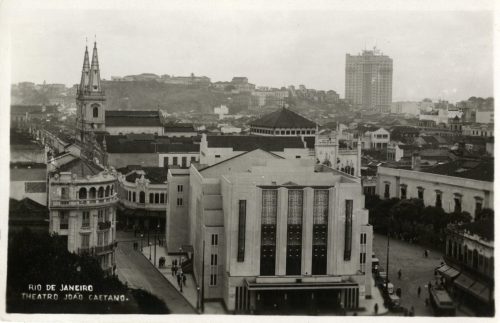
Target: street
{"x":138,"y":272}
{"x":416,"y":269}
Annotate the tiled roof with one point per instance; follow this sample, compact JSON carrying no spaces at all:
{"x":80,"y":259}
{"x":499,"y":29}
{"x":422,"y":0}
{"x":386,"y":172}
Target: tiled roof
{"x":248,"y":143}
{"x":133,"y":119}
{"x":178,"y":147}
{"x":141,"y":145}
{"x":283,"y":118}
{"x":179,"y":127}
{"x":156,"y":175}
{"x":477,"y":170}
{"x":80,"y":167}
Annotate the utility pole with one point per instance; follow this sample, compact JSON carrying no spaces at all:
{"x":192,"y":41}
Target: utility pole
{"x":203,"y":278}
{"x":387,"y":262}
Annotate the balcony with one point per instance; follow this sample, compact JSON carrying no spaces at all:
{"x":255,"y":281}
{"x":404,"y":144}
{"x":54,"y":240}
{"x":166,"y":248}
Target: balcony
{"x":103,"y":225}
{"x":83,"y":203}
{"x":145,"y":206}
{"x":97,"y":250}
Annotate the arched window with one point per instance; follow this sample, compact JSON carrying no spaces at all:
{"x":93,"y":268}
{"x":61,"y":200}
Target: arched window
{"x":92,"y":193}
{"x":142,"y":197}
{"x":112,"y":189}
{"x":100,"y":192}
{"x":95,"y":112}
{"x":82,"y":193}
{"x":107,"y":191}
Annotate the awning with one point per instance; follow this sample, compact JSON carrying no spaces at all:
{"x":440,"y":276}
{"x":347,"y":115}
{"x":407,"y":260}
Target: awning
{"x":464,"y":281}
{"x":481,"y":291}
{"x":300,"y":286}
{"x":448,"y":272}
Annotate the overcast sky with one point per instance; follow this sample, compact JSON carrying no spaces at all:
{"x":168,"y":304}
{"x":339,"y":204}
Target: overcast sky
{"x":444,"y":54}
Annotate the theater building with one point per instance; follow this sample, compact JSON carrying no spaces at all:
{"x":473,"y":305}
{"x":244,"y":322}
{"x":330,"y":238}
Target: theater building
{"x":271,"y":234}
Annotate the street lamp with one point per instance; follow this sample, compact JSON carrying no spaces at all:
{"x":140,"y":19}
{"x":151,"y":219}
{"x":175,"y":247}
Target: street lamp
{"x":150,"y":251}
{"x":180,"y":257}
{"x":142,"y":235}
{"x":198,"y":297}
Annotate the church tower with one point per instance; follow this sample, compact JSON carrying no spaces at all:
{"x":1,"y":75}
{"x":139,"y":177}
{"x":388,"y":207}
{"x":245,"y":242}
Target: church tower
{"x":90,"y":100}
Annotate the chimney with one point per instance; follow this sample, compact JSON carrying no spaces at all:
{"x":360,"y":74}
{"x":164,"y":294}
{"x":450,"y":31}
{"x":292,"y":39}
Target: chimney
{"x":415,"y":161}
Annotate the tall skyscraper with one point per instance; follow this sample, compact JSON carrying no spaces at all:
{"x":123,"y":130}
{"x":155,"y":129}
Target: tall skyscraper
{"x":368,"y":80}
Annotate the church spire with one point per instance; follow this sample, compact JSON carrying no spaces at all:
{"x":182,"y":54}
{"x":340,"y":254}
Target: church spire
{"x":84,"y":82}
{"x":95,"y":79}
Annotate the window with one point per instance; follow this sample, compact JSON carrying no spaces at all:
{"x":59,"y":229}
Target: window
{"x":458,"y":203}
{"x":217,"y":156}
{"x":142,"y":197}
{"x":193,"y":159}
{"x":403,"y":191}
{"x":165,"y":161}
{"x":129,"y":195}
{"x":151,"y":198}
{"x":184,"y":162}
{"x":179,"y":201}
{"x":213,"y":260}
{"x":348,"y":229}
{"x":215,"y":240}
{"x":133,"y":196}
{"x":420,"y":192}
{"x":95,"y":110}
{"x":297,"y":157}
{"x":180,"y":188}
{"x":157,"y":198}
{"x":174,"y":162}
{"x":64,"y":218}
{"x":363,"y":238}
{"x":320,"y":227}
{"x":387,"y":189}
{"x":213,"y":280}
{"x":242,"y":218}
{"x":86,"y":219}
{"x":294,"y":232}
{"x":162,"y":198}
{"x":479,"y":206}
{"x":439,"y":196}
{"x":100,"y":215}
{"x":85,"y":238}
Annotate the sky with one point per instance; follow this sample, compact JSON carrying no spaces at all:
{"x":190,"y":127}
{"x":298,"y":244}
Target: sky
{"x":445,"y":54}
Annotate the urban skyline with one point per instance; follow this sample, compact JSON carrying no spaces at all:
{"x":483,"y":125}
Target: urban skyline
{"x":265,"y":53}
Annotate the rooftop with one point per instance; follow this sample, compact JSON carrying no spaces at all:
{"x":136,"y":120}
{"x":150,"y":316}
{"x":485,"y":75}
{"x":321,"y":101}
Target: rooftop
{"x":248,"y":143}
{"x":155,"y":175}
{"x":482,"y":170}
{"x":133,"y":118}
{"x":283,"y":118}
{"x":179,"y":127}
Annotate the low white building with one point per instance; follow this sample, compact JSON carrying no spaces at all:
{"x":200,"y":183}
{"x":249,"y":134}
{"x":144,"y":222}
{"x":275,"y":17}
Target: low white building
{"x":485,"y":117}
{"x":378,"y":139}
{"x":456,"y":186}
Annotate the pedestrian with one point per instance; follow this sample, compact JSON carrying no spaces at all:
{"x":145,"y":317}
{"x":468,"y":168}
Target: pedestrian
{"x":426,"y":253}
{"x":184,"y":279}
{"x":175,"y":269}
{"x":399,"y":274}
{"x":412,"y":311}
{"x":419,"y":290}
{"x":172,"y":268}
{"x":375,"y":308}
{"x":429,"y":285}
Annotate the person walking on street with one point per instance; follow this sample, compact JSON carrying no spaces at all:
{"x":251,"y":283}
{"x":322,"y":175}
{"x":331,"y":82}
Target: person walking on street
{"x":399,"y":274}
{"x":375,"y":308}
{"x":419,"y":290}
{"x":412,"y":311}
{"x":175,"y":269}
{"x":184,"y":278}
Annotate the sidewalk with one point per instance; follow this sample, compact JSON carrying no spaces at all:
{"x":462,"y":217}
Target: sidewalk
{"x":189,"y":291}
{"x":367,"y":305}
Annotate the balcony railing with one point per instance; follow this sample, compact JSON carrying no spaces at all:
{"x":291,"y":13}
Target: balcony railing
{"x":104,"y":225}
{"x":83,"y":202}
{"x":92,"y":251}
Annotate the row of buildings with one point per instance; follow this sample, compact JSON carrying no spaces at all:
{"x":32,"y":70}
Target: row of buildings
{"x":275,"y":216}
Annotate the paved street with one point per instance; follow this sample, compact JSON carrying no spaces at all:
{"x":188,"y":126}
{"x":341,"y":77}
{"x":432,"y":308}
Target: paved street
{"x":138,"y":272}
{"x":416,"y":270}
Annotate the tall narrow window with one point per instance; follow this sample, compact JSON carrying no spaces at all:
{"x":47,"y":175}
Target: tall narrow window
{"x":294,"y":232}
{"x":95,"y":112}
{"x":85,"y":219}
{"x":439,"y":196}
{"x":403,"y":191}
{"x":348,"y":229}
{"x":64,"y":220}
{"x":174,"y":162}
{"x":241,"y":229}
{"x":458,"y":203}
{"x":151,"y":198}
{"x":420,"y":193}
{"x":479,"y":206}
{"x":320,"y":226}
{"x":387,"y":189}
{"x":268,"y":232}
{"x":165,"y":161}
{"x":142,"y":197}
{"x":85,"y":240}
